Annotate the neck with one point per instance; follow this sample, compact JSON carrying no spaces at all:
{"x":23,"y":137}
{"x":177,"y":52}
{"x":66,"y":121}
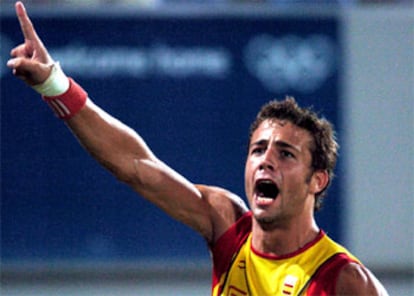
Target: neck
{"x":283,"y":240}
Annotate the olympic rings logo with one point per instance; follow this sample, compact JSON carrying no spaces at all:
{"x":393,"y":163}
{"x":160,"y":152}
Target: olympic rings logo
{"x":291,"y":62}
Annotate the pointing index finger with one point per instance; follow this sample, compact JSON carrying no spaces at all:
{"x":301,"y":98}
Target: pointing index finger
{"x":26,"y":25}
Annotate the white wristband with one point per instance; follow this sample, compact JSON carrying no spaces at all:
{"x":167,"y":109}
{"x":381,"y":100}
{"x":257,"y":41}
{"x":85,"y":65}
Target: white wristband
{"x":56,"y":84}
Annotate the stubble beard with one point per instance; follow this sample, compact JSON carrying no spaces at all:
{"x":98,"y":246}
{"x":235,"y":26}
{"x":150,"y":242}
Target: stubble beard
{"x":270,"y":222}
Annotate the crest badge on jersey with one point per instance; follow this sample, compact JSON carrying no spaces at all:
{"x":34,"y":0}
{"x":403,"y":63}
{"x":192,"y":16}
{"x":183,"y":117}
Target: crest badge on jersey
{"x":289,"y":285}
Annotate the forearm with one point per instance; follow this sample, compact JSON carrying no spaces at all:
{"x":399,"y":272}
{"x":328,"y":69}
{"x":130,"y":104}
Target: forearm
{"x":109,"y":141}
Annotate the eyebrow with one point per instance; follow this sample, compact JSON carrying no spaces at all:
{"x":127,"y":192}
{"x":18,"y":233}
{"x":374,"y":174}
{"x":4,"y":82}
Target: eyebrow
{"x":278,"y":143}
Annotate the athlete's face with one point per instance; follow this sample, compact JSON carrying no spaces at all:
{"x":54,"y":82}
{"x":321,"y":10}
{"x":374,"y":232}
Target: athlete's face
{"x":279,"y":181}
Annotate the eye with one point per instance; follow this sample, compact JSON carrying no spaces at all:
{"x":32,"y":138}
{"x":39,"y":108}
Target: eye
{"x":286,"y":154}
{"x":257,"y":150}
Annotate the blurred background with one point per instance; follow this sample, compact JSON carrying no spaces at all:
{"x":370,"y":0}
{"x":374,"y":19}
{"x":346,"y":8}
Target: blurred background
{"x":190,"y":76}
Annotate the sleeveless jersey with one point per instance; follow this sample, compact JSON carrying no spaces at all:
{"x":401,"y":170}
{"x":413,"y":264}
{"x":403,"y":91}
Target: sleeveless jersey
{"x":238,"y":269}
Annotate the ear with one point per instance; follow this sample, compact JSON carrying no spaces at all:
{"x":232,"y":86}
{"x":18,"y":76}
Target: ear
{"x":319,"y":181}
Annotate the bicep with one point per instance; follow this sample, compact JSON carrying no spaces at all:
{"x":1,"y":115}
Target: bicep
{"x":172,"y":193}
{"x":208,"y":210}
{"x":355,"y":279}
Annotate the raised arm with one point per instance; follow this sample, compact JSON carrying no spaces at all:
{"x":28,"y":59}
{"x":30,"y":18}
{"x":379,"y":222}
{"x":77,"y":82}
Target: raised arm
{"x":117,"y":147}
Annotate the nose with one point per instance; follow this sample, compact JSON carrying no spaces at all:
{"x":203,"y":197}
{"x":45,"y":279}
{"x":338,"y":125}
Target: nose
{"x":265,"y":165}
{"x":268,"y":161}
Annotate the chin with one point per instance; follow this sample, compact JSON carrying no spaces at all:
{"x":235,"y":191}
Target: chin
{"x":262,"y":217}
{"x":267,"y":221}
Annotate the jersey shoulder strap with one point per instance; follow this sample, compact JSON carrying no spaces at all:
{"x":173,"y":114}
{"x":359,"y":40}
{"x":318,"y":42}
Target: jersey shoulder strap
{"x":227,"y":246}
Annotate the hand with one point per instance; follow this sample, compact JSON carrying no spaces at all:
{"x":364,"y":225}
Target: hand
{"x":30,"y":60}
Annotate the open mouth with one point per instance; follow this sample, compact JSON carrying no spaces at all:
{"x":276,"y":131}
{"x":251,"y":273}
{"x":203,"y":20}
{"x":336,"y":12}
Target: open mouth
{"x":266,"y":190}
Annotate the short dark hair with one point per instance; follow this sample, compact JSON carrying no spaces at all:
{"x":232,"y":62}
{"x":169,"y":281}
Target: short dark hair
{"x":324,"y":150}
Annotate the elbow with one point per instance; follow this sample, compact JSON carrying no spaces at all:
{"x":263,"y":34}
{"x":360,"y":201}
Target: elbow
{"x":122,"y":169}
{"x":139,"y":173}
{"x":123,"y":176}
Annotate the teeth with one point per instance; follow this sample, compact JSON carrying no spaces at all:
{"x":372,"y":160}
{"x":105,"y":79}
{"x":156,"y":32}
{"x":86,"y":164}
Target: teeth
{"x":264,"y":201}
{"x":263,"y":198}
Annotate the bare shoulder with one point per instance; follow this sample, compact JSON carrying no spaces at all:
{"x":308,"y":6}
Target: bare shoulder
{"x":226,"y":207}
{"x":355,"y":279}
{"x":220,"y":197}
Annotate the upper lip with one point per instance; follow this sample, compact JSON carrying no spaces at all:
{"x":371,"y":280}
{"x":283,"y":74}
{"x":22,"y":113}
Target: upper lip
{"x":260,"y":180}
{"x":263,"y":177}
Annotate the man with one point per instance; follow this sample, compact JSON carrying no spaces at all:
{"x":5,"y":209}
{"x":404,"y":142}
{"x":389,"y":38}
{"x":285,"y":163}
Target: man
{"x":276,"y":247}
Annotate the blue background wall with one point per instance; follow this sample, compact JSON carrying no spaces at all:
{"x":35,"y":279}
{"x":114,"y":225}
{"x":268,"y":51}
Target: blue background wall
{"x":189,"y":86}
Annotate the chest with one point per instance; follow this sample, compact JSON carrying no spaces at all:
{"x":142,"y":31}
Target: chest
{"x":252,"y":274}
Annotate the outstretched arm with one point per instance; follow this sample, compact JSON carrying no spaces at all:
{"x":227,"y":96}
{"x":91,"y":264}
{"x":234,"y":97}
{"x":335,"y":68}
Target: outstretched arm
{"x":120,"y":149}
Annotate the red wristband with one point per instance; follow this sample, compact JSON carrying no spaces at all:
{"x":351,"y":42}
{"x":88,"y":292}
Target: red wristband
{"x":69,"y":103}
